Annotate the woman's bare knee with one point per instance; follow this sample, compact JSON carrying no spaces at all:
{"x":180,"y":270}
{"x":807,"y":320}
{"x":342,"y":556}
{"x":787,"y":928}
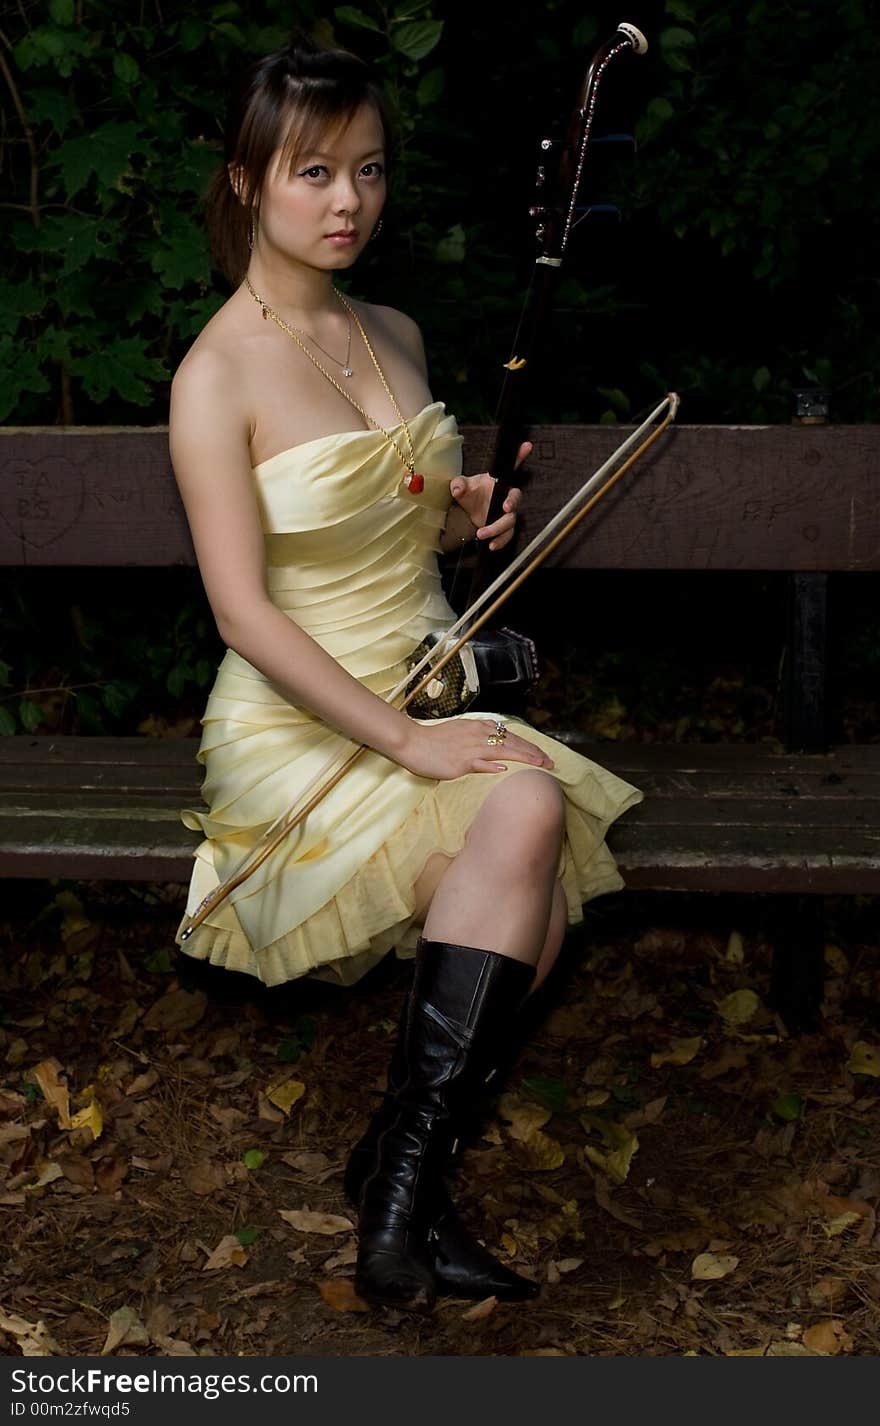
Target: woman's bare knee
{"x":523,"y":817}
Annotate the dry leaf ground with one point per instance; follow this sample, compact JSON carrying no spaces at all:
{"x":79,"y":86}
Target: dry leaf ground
{"x":207,"y":1215}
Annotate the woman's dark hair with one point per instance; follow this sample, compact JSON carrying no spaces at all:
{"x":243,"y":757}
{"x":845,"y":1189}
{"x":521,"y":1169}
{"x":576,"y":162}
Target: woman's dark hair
{"x":286,"y":99}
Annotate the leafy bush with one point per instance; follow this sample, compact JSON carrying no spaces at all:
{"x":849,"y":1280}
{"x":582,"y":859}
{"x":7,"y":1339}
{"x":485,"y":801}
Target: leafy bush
{"x":743,"y":268}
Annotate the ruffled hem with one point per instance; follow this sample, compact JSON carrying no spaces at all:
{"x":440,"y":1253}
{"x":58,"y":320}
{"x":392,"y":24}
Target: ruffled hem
{"x":375,"y":910}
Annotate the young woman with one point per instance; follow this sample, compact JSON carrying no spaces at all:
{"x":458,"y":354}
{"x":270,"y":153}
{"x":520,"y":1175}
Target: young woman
{"x":298,"y":418}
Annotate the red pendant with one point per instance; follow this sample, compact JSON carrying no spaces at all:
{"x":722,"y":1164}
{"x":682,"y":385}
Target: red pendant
{"x":414,"y":483}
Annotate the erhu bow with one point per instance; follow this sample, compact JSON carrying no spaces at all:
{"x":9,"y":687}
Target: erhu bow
{"x":555,"y":223}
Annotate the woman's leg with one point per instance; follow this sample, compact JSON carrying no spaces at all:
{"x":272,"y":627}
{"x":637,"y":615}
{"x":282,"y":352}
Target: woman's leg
{"x":500,"y":892}
{"x":487,"y":929}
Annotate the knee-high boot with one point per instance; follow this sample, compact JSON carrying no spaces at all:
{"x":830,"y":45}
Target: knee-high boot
{"x":460,"y":997}
{"x":462,"y":1266}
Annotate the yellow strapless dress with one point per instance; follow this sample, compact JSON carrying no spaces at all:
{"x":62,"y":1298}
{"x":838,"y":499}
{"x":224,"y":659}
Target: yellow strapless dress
{"x":351,"y":555}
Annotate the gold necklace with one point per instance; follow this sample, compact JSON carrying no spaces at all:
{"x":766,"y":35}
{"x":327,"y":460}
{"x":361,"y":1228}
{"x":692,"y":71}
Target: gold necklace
{"x":414,"y":482}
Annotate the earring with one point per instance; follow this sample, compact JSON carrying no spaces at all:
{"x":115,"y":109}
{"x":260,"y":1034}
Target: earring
{"x":251,"y":234}
{"x":377,"y":230}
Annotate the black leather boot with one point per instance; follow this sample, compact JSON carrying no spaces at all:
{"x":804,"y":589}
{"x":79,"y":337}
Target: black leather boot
{"x":462,"y":1266}
{"x":460,"y":998}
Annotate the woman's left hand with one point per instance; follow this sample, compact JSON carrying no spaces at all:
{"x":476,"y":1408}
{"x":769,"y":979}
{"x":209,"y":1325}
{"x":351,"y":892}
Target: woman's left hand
{"x":474,"y":492}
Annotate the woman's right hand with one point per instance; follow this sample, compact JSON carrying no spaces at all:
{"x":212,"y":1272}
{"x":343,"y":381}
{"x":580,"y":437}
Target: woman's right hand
{"x":457,"y":746}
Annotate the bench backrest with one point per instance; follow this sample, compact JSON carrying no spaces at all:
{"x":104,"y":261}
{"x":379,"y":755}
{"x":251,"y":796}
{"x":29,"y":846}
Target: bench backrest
{"x":705,"y":497}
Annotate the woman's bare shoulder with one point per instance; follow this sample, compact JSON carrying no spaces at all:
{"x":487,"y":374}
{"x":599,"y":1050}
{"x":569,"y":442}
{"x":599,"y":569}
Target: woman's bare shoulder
{"x":211,"y":372}
{"x":210,"y":391}
{"x":217,"y":345}
{"x":397,"y":325}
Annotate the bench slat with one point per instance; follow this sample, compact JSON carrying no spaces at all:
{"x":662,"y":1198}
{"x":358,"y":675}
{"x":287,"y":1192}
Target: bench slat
{"x":718,"y":859}
{"x":149,"y":762}
{"x":705,"y":497}
{"x":700,"y":809}
{"x":716,"y":817}
{"x":690,"y":857}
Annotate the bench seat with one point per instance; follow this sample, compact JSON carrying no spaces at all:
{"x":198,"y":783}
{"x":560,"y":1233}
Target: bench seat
{"x":716,"y":817}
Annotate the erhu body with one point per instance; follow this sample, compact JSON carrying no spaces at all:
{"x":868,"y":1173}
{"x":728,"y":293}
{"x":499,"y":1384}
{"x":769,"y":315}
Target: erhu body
{"x":497,"y":664}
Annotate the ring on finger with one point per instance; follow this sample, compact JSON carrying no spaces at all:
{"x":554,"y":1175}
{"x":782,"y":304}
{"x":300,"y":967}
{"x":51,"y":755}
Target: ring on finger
{"x":499,"y":735}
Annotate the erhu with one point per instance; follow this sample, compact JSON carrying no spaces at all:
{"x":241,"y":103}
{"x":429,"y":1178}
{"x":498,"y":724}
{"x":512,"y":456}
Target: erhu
{"x":500,"y":660}
{"x":556,"y":216}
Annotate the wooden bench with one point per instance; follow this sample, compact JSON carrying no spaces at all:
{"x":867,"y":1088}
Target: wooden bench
{"x":716,"y":818}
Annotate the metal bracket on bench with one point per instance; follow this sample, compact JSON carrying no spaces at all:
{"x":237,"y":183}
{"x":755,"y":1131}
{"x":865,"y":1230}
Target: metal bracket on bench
{"x":806,"y":649}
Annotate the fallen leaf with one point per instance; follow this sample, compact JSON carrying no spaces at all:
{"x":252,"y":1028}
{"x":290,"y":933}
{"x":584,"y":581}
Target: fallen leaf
{"x":680,"y":1052}
{"x":648,"y":1114}
{"x":480,"y":1310}
{"x":265,"y":1110}
{"x":10,"y":1133}
{"x":47,"y":1172}
{"x":203,"y":1177}
{"x":286,"y":1093}
{"x":828,"y":1338}
{"x":176,"y":1010}
{"x":160,"y":1164}
{"x":90,"y":1117}
{"x":308,"y":1161}
{"x":522,"y":1119}
{"x":543,"y":1152}
{"x":620,"y":1147}
{"x":174,"y":1347}
{"x":110,"y":1173}
{"x":596,"y":1098}
{"x":307,"y":1221}
{"x":343,"y":1259}
{"x":78,"y":1169}
{"x":707,"y":1266}
{"x":735,"y":953}
{"x":125,"y":1327}
{"x":228,"y":1253}
{"x":827,"y":1291}
{"x":864,"y":1059}
{"x":32,"y":1338}
{"x":53,"y":1091}
{"x":836,"y":961}
{"x":229,"y":1118}
{"x":685,"y":1241}
{"x":339,"y":1293}
{"x":604,"y":1200}
{"x":840,"y":1224}
{"x":739,"y":1007}
{"x":141,"y":1083}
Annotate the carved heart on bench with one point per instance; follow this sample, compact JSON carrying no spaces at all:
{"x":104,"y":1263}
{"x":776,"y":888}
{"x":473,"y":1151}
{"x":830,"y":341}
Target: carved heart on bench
{"x":41,"y":500}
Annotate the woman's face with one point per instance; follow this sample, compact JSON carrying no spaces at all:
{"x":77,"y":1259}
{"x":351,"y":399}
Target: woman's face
{"x":336,"y":189}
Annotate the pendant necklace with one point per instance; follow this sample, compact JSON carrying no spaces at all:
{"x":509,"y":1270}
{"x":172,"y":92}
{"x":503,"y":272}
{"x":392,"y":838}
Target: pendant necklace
{"x":413,"y":481}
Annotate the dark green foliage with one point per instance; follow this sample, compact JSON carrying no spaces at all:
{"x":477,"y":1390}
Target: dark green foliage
{"x":138,"y":659}
{"x":743,"y":266}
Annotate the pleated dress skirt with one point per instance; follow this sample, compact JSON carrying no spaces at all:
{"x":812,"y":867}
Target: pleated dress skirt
{"x":351,"y":557}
